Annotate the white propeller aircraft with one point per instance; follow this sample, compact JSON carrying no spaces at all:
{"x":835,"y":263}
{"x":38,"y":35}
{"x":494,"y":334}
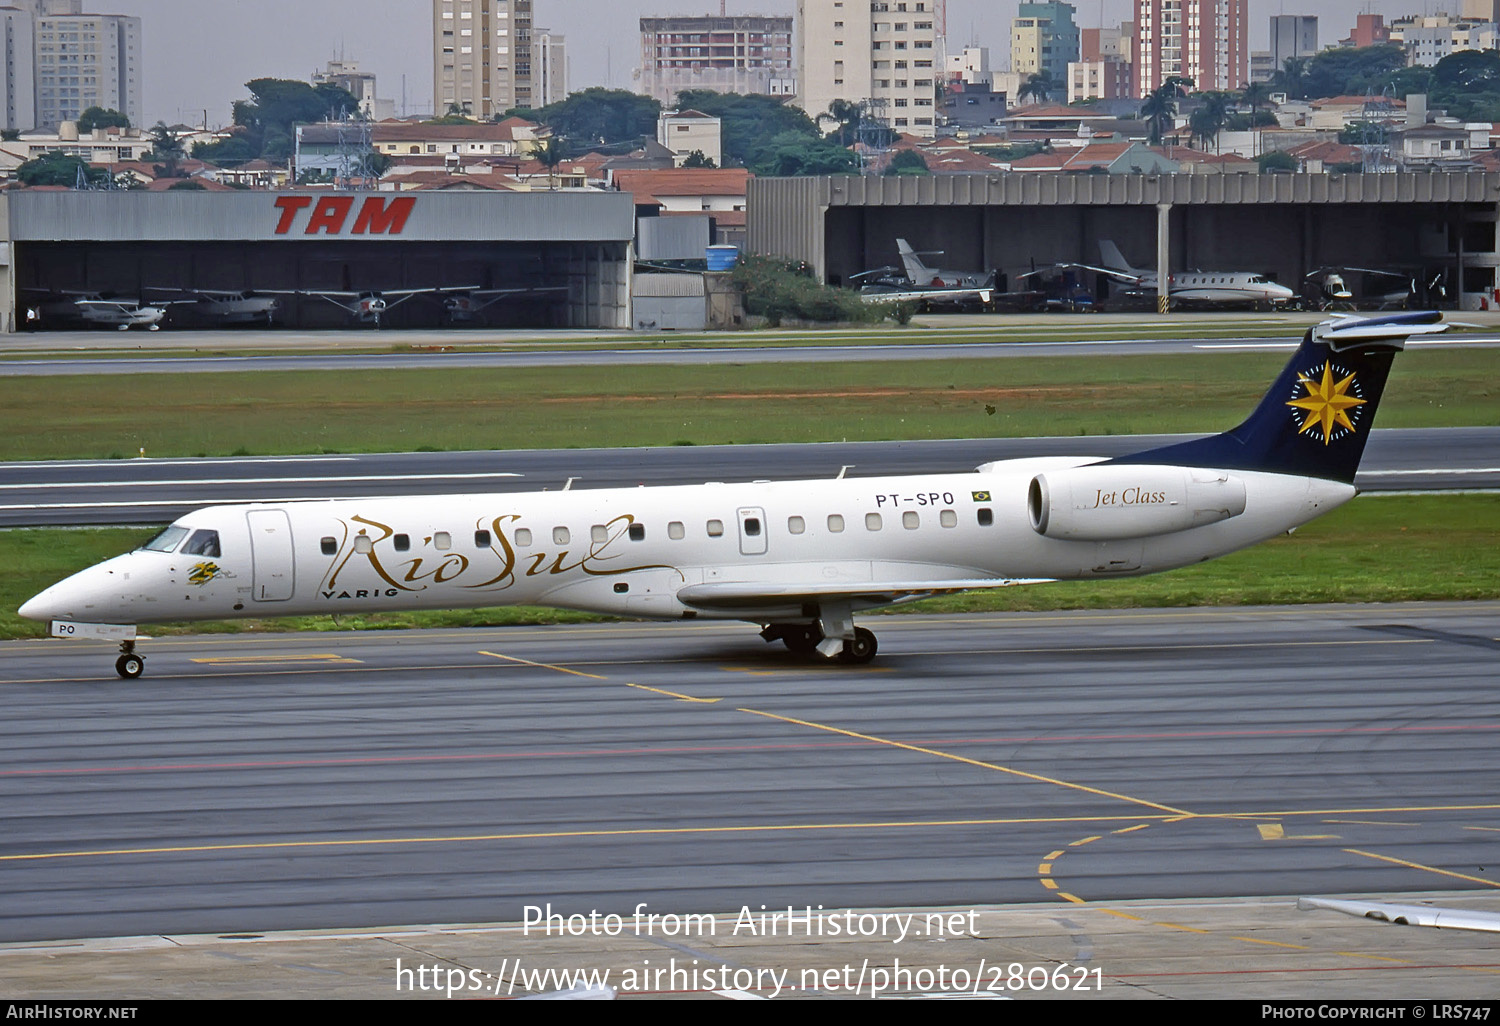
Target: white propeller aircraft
{"x":800,"y":558}
{"x":93,"y":308}
{"x":228,"y":307}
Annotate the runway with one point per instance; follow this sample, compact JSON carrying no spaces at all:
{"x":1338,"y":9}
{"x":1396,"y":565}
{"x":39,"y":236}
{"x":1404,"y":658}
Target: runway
{"x":255,"y":783}
{"x":157,"y":490}
{"x":948,"y":338}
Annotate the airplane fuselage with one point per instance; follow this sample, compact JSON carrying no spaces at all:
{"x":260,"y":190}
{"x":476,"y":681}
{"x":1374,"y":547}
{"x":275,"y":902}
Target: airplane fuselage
{"x":1227,"y":287}
{"x":681,"y":551}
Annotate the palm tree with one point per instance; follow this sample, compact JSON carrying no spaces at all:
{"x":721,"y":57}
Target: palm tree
{"x":549,"y":153}
{"x":1037,"y":87}
{"x":1292,"y":78}
{"x":1160,"y":108}
{"x":1209,"y":119}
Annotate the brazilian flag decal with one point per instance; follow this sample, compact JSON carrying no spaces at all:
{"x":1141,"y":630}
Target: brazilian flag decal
{"x":981,"y":496}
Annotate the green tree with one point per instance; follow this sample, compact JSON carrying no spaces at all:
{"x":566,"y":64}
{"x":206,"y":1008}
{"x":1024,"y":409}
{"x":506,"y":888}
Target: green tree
{"x":550,"y":152}
{"x":699,"y":159}
{"x":848,"y":114}
{"x":1037,"y":87}
{"x":1159,"y":109}
{"x":266,"y":122}
{"x":1292,"y":78}
{"x":792,"y":153}
{"x":599,"y":115}
{"x":1208,"y":120}
{"x":908,"y":162}
{"x":58,"y":168}
{"x":1276,"y":160}
{"x":99,"y":117}
{"x":748,"y":124}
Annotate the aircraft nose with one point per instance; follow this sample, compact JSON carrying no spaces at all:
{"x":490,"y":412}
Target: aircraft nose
{"x":40,"y":606}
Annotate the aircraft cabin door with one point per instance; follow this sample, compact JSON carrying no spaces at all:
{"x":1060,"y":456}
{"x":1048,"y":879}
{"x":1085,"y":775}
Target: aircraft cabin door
{"x":271,"y":557}
{"x":752,"y":531}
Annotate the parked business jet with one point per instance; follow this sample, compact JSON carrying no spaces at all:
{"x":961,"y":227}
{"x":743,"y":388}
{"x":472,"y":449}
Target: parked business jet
{"x":1193,"y":288}
{"x":926,"y":277}
{"x":799,"y":558}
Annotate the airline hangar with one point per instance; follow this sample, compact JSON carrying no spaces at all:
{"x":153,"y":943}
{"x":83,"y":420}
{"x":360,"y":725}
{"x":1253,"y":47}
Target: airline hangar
{"x":1287,"y":225}
{"x":545,"y":259}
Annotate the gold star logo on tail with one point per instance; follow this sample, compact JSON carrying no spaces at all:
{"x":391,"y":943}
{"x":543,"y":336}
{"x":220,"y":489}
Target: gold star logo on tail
{"x":1328,"y":403}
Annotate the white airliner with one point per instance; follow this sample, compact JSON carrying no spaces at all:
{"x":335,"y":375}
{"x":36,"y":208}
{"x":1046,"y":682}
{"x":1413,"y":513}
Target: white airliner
{"x":799,"y":558}
{"x":1194,"y":288}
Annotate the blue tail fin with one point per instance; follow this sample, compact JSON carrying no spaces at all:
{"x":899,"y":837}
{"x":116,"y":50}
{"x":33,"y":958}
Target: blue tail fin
{"x":1316,"y":418}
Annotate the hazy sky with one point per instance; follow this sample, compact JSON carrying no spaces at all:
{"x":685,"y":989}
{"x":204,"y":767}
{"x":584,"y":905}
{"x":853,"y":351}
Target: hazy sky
{"x":199,"y":55}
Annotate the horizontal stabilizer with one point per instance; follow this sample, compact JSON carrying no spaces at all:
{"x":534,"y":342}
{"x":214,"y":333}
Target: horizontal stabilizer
{"x":1394,"y":329}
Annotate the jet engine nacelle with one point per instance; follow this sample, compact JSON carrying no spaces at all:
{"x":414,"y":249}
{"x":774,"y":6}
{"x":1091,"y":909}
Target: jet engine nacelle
{"x":1113,"y":503}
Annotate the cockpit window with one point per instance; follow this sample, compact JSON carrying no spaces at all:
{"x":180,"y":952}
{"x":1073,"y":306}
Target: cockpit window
{"x":203,"y":543}
{"x":167,"y":540}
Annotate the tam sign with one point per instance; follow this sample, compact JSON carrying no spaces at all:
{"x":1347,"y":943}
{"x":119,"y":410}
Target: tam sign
{"x":329,"y":215}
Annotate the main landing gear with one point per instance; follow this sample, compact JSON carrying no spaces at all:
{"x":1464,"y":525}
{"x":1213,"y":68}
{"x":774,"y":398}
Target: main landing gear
{"x":129,"y":665}
{"x":807,"y":638}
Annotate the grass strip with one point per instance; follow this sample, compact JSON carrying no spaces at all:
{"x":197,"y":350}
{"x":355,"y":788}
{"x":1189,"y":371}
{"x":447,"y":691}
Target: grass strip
{"x":283,"y":413}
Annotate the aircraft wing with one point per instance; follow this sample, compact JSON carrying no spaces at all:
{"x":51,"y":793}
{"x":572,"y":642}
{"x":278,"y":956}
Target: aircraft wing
{"x":1115,"y":273}
{"x":911,"y":295}
{"x":112,"y":304}
{"x":742,"y":594}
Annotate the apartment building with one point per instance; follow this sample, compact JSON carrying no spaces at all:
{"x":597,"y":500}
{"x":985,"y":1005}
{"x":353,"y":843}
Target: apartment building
{"x":1043,"y":38}
{"x":748,"y":55}
{"x":87,"y":60}
{"x":483,"y":59}
{"x":1207,"y":41}
{"x":885,"y":54}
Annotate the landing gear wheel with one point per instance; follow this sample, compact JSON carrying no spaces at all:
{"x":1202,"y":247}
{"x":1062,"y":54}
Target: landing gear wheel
{"x":129,"y":665}
{"x":861,"y":649}
{"x":802,"y":639}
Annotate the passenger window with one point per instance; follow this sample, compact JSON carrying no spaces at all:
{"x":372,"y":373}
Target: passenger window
{"x":599,"y":534}
{"x":835,"y":523}
{"x":363,"y":544}
{"x":330,"y":546}
{"x":559,"y":536}
{"x":442,"y":541}
{"x":523,"y":536}
{"x":752,"y":527}
{"x":675,"y":531}
{"x":637,"y":532}
{"x":402,"y":542}
{"x":166,"y":540}
{"x":910,"y":521}
{"x":715,"y":528}
{"x":203,"y":543}
{"x":948,"y":518}
{"x":986,"y":516}
{"x":796,"y":525}
{"x":872,"y":521}
{"x":481,"y":539}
